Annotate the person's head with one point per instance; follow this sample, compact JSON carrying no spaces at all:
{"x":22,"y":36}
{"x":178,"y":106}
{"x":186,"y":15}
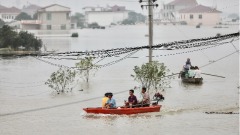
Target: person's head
{"x":196,"y":67}
{"x":106,"y":94}
{"x":188,"y":59}
{"x":144,"y":89}
{"x":131,"y":92}
{"x":110,"y":95}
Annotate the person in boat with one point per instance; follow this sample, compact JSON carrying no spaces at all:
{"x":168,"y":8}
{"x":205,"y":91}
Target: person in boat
{"x":104,"y":100}
{"x":191,"y":72}
{"x":145,"y":98}
{"x":132,"y":99}
{"x":188,"y":63}
{"x":197,"y":72}
{"x":111,"y":103}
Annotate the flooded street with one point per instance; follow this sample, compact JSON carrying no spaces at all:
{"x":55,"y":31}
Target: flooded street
{"x":29,"y":107}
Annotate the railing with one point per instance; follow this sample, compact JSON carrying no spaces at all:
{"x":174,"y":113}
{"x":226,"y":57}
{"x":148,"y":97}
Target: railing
{"x":31,"y":22}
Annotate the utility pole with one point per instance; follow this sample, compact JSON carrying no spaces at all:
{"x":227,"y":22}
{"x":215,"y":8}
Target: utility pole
{"x":150,"y":6}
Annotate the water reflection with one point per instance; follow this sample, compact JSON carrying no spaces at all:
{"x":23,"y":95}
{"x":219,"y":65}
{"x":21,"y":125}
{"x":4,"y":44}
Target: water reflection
{"x":56,"y":44}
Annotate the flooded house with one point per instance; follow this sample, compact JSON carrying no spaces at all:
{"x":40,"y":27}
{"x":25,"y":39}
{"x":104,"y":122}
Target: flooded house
{"x":9,"y":14}
{"x":105,"y":16}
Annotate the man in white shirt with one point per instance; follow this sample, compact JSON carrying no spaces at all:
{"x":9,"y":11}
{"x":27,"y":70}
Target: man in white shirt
{"x":145,"y":96}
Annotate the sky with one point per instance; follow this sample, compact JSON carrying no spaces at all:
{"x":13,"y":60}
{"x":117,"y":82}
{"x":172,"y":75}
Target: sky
{"x":227,"y":6}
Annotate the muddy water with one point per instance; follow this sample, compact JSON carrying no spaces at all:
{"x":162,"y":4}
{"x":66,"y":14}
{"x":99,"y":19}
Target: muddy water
{"x":29,"y":107}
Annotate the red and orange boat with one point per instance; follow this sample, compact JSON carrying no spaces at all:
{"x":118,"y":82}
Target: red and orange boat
{"x":120,"y":111}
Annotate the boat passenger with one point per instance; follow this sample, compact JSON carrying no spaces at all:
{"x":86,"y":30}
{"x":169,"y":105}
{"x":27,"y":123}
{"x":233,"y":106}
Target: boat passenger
{"x":191,"y":72}
{"x":197,"y":72}
{"x":188,"y":63}
{"x":132,"y":99}
{"x":111,"y":103}
{"x":104,"y":100}
{"x":145,"y":98}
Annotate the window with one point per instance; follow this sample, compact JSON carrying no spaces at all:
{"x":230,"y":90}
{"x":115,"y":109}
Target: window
{"x":49,"y":27}
{"x":68,"y":16}
{"x":191,"y":16}
{"x":200,"y":16}
{"x":49,"y":16}
{"x":63,"y":27}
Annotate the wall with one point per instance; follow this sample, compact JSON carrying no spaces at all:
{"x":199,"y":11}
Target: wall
{"x":57,"y":19}
{"x":209,"y":19}
{"x":106,"y":18}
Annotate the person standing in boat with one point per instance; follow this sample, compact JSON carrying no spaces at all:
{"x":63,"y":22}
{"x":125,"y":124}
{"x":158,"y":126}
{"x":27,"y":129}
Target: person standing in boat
{"x":145,"y":98}
{"x":188,"y":63}
{"x":111,"y":103}
{"x":132,"y":99}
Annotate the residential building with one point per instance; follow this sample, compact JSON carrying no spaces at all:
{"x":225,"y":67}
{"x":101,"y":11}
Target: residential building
{"x":170,"y":11}
{"x":105,"y":16}
{"x":9,"y":14}
{"x":200,"y":15}
{"x":31,"y":9}
{"x":54,"y":17}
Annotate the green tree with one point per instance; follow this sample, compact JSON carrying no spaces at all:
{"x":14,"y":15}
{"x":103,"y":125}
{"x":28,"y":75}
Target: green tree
{"x":62,"y":80}
{"x":12,"y":39}
{"x":2,"y":23}
{"x":23,"y":16}
{"x":7,"y":36}
{"x":85,"y":67}
{"x":128,"y":22}
{"x":35,"y":16}
{"x":28,"y":41}
{"x":93,"y":25}
{"x":152,"y":75}
{"x":134,"y":18}
{"x":79,"y":18}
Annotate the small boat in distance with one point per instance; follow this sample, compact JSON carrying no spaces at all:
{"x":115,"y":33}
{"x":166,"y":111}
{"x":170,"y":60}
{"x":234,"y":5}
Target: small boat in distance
{"x":122,"y":110}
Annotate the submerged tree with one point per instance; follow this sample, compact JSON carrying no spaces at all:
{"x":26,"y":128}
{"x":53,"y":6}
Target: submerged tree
{"x":23,"y":16}
{"x":62,"y":80}
{"x":85,"y":67}
{"x":152,"y":75}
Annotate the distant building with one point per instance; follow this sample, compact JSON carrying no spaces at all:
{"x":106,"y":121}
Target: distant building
{"x":170,"y":11}
{"x":9,"y":14}
{"x":105,"y":16}
{"x":54,"y":17}
{"x":31,"y":9}
{"x":200,"y":15}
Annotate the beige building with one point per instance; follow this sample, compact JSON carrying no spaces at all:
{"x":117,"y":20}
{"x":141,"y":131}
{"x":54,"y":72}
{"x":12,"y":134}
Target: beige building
{"x":200,"y":15}
{"x":170,"y":10}
{"x":54,"y":17}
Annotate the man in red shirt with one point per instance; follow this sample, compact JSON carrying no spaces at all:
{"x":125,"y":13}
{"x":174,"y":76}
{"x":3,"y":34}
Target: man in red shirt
{"x":132,"y":99}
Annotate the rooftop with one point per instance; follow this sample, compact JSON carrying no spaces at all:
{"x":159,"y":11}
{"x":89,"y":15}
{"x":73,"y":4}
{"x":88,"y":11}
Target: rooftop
{"x":10,"y":10}
{"x":200,"y":9}
{"x":43,"y":9}
{"x":183,"y":2}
